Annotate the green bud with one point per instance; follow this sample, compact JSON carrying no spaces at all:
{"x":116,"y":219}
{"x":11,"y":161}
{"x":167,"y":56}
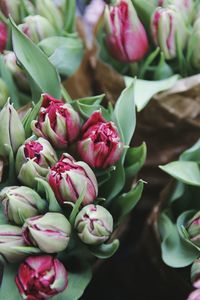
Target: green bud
{"x":10,"y":239}
{"x":195,"y":274}
{"x":11,"y":130}
{"x":20,"y":203}
{"x":51,"y":11}
{"x":193,"y":228}
{"x":194,"y":46}
{"x":37,"y":28}
{"x":51,"y":232}
{"x":33,"y":160}
{"x":4,"y":93}
{"x":94,"y":224}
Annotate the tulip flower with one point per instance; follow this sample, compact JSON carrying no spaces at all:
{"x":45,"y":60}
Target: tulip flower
{"x":168,"y":29}
{"x":11,"y":7}
{"x":11,"y":130}
{"x":70,"y":178}
{"x":37,"y":28}
{"x":20,"y":203}
{"x":4,"y":93}
{"x":186,"y":7}
{"x":195,"y":274}
{"x":51,"y":11}
{"x":33,"y":159}
{"x":195,"y":295}
{"x":41,"y":277}
{"x":193,"y":229}
{"x":50,"y":232}
{"x":126,"y":38}
{"x":94,"y":224}
{"x":10,"y":240}
{"x":100,"y":144}
{"x":3,"y":36}
{"x":58,"y":122}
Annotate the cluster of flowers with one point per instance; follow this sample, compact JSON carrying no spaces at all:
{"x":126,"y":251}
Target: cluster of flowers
{"x":31,"y":225}
{"x":135,"y":28}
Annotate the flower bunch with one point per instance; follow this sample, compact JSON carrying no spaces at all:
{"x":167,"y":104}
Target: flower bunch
{"x":60,"y":196}
{"x":151,"y":39}
{"x":180,"y":220}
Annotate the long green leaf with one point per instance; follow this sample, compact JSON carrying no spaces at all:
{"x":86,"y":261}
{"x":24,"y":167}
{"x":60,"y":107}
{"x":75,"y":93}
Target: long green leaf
{"x":36,"y":63}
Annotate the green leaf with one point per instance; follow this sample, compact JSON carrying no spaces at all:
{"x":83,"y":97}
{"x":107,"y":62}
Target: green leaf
{"x":126,"y":202}
{"x":77,"y":206}
{"x":185,"y":171}
{"x":192,"y":154}
{"x":36,"y":63}
{"x":105,"y":250}
{"x":176,"y":252}
{"x":91,"y":100}
{"x":124,"y":114}
{"x":178,"y":192}
{"x":8,"y":290}
{"x":76,"y":285}
{"x":135,"y":159}
{"x":31,"y":115}
{"x":44,"y":187}
{"x":27,"y":250}
{"x":145,"y":90}
{"x":116,"y":181}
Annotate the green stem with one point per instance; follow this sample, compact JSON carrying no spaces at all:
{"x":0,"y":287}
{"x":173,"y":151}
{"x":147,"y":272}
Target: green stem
{"x":71,"y":16}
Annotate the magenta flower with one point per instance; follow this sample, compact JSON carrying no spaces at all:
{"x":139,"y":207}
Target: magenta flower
{"x":126,"y":38}
{"x":3,"y":36}
{"x":100,"y":145}
{"x":41,"y":277}
{"x":68,"y":178}
{"x":58,"y":122}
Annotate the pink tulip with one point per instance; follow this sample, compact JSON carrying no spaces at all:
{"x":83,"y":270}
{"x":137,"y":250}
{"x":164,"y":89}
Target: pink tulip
{"x":58,"y":122}
{"x":126,"y":38}
{"x":68,"y":179}
{"x":100,"y":144}
{"x":3,"y":36}
{"x":41,"y":277}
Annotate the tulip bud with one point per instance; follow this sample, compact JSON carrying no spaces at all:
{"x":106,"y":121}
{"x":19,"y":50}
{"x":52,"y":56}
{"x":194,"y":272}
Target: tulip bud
{"x":100,"y":144}
{"x":193,"y":46}
{"x":37,"y":28}
{"x":10,"y":239}
{"x":193,"y":229}
{"x":10,"y":60}
{"x":126,"y":38}
{"x":50,"y":232}
{"x":11,"y":7}
{"x":58,"y":122}
{"x":94,"y":224}
{"x":33,"y":160}
{"x":68,"y":179}
{"x":11,"y":130}
{"x":195,"y":295}
{"x":168,"y":29}
{"x":41,"y":277}
{"x":20,"y":203}
{"x":4,"y":93}
{"x":195,"y":274}
{"x":51,"y":11}
{"x":186,"y":7}
{"x":3,"y":36}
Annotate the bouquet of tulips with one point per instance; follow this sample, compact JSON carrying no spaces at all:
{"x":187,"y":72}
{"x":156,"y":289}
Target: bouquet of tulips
{"x":155,"y":41}
{"x":67,"y":180}
{"x":179,"y":219}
